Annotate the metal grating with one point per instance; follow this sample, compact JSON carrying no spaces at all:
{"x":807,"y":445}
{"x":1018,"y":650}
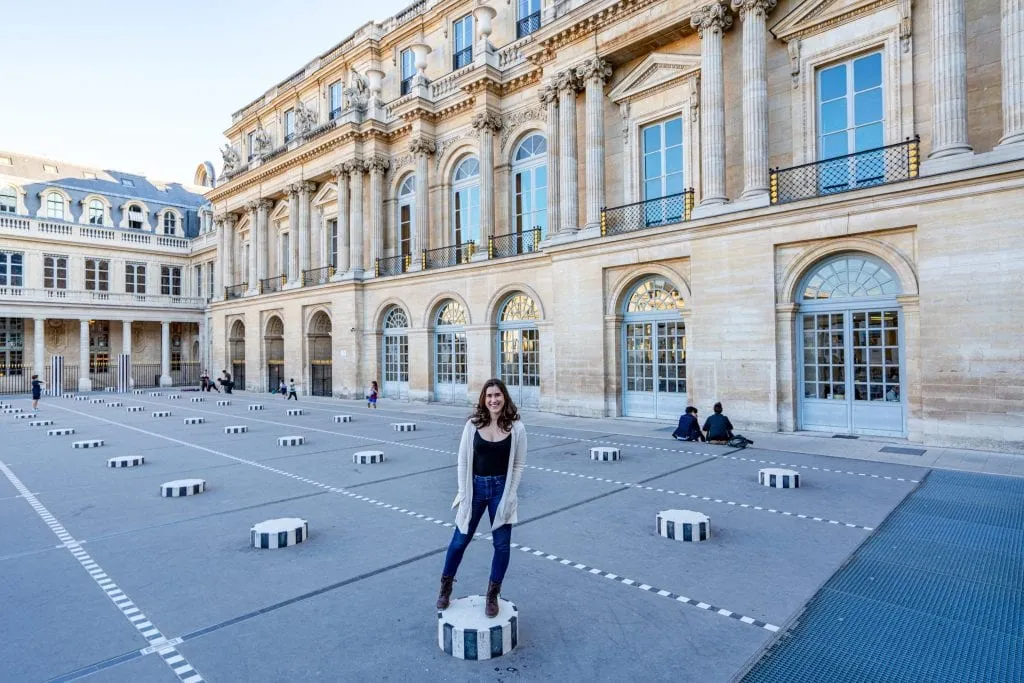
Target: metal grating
{"x":902,"y":451}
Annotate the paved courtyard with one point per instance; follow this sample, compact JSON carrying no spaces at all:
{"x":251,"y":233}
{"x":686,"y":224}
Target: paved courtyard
{"x":105,"y":580}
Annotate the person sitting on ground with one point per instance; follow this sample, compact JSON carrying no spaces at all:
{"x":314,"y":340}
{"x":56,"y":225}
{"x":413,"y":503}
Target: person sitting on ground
{"x":717,"y":426}
{"x":689,"y":427}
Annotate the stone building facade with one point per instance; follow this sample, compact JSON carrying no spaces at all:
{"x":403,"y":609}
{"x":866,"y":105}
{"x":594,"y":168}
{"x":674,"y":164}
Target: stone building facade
{"x":806,"y":209}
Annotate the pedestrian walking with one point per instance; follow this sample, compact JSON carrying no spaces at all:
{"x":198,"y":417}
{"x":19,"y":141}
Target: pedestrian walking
{"x":291,"y":390}
{"x":371,"y":395}
{"x":37,"y":391}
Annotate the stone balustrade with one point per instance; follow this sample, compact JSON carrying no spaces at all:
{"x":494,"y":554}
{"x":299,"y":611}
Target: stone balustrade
{"x":72,"y":296}
{"x":63,"y":232}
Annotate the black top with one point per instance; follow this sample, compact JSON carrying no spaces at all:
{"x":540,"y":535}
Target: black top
{"x":490,"y":458}
{"x":718,"y":427}
{"x":37,"y":388}
{"x":688,"y":429}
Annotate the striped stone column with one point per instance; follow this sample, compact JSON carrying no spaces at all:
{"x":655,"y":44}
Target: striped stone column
{"x":487,"y":124}
{"x":421,"y":148}
{"x":356,"y":169}
{"x":254,"y":245}
{"x":568,"y":195}
{"x":378,"y":167}
{"x":949,"y":79}
{"x":1013,"y":71}
{"x":549,"y":98}
{"x":306,"y":190}
{"x":344,"y":256}
{"x":594,"y":74}
{"x":711,"y":22}
{"x":753,"y":14}
{"x":293,"y":234}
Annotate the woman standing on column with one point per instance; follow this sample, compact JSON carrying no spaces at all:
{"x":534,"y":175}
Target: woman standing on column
{"x":492,"y":456}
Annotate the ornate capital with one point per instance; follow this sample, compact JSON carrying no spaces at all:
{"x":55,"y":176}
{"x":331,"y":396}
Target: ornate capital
{"x":485,"y":120}
{"x":595,"y":68}
{"x":306,"y":187}
{"x":422,"y":146}
{"x":756,"y":9}
{"x":264,"y":204}
{"x":714,"y":17}
{"x":566,"y":80}
{"x":548,"y":95}
{"x":292,"y":189}
{"x":353,"y":166}
{"x":253,"y":205}
{"x":378,"y":163}
{"x":339,"y":170}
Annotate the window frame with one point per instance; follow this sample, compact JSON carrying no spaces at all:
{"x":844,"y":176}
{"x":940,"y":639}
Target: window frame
{"x":55,"y":271}
{"x":135,"y":278}
{"x":530,"y":165}
{"x":172,"y":216}
{"x":12,"y":196}
{"x":170,"y":280}
{"x":460,"y":221}
{"x":335,"y":88}
{"x":530,"y":21}
{"x":462,"y":54}
{"x":406,"y":58}
{"x":97,"y":275}
{"x":288,"y":125}
{"x":50,"y":205}
{"x":11,"y":261}
{"x":850,"y":95}
{"x":405,"y":200}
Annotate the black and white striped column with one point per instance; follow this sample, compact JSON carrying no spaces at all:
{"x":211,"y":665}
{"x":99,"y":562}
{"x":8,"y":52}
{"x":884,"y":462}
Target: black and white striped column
{"x":465,"y":632}
{"x":56,"y":383}
{"x":684,"y":525}
{"x":279,"y":533}
{"x":777,"y":478}
{"x":124,"y":373}
{"x":182,"y":487}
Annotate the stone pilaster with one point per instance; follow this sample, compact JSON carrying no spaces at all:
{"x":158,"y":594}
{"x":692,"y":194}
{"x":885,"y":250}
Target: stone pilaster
{"x":378,"y":165}
{"x":1013,"y":71}
{"x":594,"y":74}
{"x":227,"y":257}
{"x":38,"y":347}
{"x":263,"y":207}
{"x":293,"y":234}
{"x":84,"y":381}
{"x":254,"y":247}
{"x":344,"y":255}
{"x":306,"y":190}
{"x":567,"y":85}
{"x":356,"y":169}
{"x":549,"y":98}
{"x":754,"y":14}
{"x":488,"y":124}
{"x":422,"y":148}
{"x":222,"y":252}
{"x":949,"y":79}
{"x":165,"y":354}
{"x":711,"y":22}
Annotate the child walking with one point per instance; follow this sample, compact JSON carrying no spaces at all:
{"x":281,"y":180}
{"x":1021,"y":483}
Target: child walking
{"x":282,"y":389}
{"x":291,"y":390}
{"x":37,"y":391}
{"x":371,"y":396}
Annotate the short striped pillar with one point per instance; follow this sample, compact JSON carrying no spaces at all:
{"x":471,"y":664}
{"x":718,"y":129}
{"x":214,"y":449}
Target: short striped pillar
{"x":291,"y":440}
{"x":40,"y":423}
{"x":182,"y":487}
{"x":155,"y":394}
{"x":293,"y":412}
{"x":778,"y":478}
{"x":12,"y":411}
{"x":79,"y":397}
{"x":342,"y":418}
{"x":368,"y":457}
{"x":124,"y":372}
{"x":684,"y":525}
{"x":136,"y":409}
{"x":604,"y":453}
{"x":174,"y":396}
{"x":56,"y":384}
{"x":198,"y":399}
{"x":91,"y":443}
{"x":138,"y":392}
{"x":279,"y":533}
{"x":26,"y":416}
{"x":67,"y":395}
{"x":236,"y":429}
{"x":161,"y":413}
{"x":465,"y":632}
{"x":404,"y":426}
{"x":95,"y":400}
{"x":223,"y":403}
{"x":114,"y":404}
{"x":62,"y":431}
{"x":126,"y":461}
{"x":255,"y":406}
{"x":195,"y":420}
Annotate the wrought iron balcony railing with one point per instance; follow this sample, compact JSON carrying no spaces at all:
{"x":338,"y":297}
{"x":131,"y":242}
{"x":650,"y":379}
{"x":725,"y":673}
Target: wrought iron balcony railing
{"x":235,"y":291}
{"x":392,"y":265}
{"x":462,"y":58}
{"x":527,"y":25}
{"x":651,"y":213}
{"x":317,"y":276}
{"x":272,"y":284}
{"x":514,"y":243}
{"x":880,"y":166}
{"x":446,"y":257}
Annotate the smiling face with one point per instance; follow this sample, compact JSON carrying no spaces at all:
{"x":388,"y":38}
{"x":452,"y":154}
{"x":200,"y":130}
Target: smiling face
{"x":494,"y":400}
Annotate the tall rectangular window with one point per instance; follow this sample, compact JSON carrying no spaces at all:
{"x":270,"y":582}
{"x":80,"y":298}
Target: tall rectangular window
{"x":284,"y":260}
{"x":663,"y":171}
{"x":334,"y":95}
{"x":334,"y":242}
{"x":97,"y":275}
{"x":170,"y":280}
{"x":12,"y":344}
{"x":528,"y":17}
{"x":851,"y":121}
{"x":8,"y":200}
{"x":250,"y":144}
{"x":55,"y":206}
{"x":11,"y":264}
{"x":408,"y":70}
{"x":199,"y":279}
{"x":209,"y":281}
{"x":462,"y":42}
{"x":55,"y":272}
{"x":135,"y":217}
{"x":135,"y":278}
{"x":405,"y":229}
{"x":289,"y":125}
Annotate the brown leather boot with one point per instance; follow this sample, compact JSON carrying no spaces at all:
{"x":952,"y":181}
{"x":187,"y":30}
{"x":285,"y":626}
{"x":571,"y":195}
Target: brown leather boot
{"x":444,"y":597}
{"x":493,"y":590}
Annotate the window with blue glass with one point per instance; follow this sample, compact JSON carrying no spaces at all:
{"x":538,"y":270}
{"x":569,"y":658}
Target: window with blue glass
{"x":408,"y":70}
{"x":334,"y":93}
{"x":251,"y":144}
{"x":528,"y":17}
{"x":663,"y":171}
{"x":463,"y":42}
{"x":851,"y":122}
{"x":289,"y":125}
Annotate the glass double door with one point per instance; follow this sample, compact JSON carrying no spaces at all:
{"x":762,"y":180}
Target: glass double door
{"x":396,"y":366}
{"x":519,"y":365}
{"x":450,"y":367}
{"x":851,"y":372}
{"x":654,"y":383}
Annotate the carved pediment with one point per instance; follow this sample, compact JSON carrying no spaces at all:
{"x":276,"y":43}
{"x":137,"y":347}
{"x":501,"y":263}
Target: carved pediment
{"x":813,"y":16}
{"x":280,"y":211}
{"x":328,"y":193}
{"x":657,"y":70}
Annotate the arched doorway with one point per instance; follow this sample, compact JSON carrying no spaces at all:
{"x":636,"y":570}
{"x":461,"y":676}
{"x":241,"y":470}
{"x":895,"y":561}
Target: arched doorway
{"x":273,"y":344}
{"x":519,"y":349}
{"x":396,"y":354}
{"x":450,"y":357}
{"x":850,"y":374}
{"x":320,"y":367}
{"x":654,"y":351}
{"x":236,"y":354}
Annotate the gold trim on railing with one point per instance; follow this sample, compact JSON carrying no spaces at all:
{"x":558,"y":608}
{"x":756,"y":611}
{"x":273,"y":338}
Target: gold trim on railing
{"x":604,"y":226}
{"x":913,"y":158}
{"x":773,"y":186}
{"x":490,"y":246}
{"x":688,"y":204}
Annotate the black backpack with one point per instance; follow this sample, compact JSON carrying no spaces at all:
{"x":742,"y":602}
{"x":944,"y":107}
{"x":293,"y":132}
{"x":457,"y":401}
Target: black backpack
{"x":739,"y":441}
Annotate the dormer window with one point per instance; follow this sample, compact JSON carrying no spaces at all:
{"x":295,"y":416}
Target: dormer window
{"x":8,"y":200}
{"x":127,"y":182}
{"x":95,"y":212}
{"x":49,"y":168}
{"x":170,"y":223}
{"x":88,"y":175}
{"x":55,"y":206}
{"x":135,"y":217}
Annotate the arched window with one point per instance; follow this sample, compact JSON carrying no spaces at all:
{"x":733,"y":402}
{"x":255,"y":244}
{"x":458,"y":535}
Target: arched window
{"x":450,"y":353}
{"x":273,"y":343}
{"x":320,"y":360}
{"x":55,"y":206}
{"x":396,"y":353}
{"x":530,"y":187}
{"x":654,"y":350}
{"x":236,"y":353}
{"x":406,"y":215}
{"x":466,"y":202}
{"x":170,"y":223}
{"x":95,"y":212}
{"x":8,"y":200}
{"x":136,"y":219}
{"x":850,"y":276}
{"x":519,"y":349}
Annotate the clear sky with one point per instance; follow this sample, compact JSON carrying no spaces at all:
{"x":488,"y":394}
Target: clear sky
{"x":149,"y":86}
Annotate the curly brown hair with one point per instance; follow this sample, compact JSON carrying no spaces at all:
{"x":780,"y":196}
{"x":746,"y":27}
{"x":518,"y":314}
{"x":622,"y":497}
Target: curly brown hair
{"x":481,"y":416}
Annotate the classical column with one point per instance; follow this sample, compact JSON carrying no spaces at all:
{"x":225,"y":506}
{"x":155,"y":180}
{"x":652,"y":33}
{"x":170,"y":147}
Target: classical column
{"x":165,"y":354}
{"x":38,"y":347}
{"x":421,"y":148}
{"x":1013,"y":71}
{"x":84,"y":381}
{"x":487,"y":124}
{"x":711,"y":22}
{"x":344,"y":260}
{"x":306,"y":190}
{"x":254,"y":245}
{"x":263,"y":227}
{"x":567,"y":85}
{"x":293,"y":235}
{"x":126,"y":336}
{"x":222,"y":251}
{"x":378,"y":167}
{"x":754,"y":14}
{"x":356,"y":169}
{"x":594,"y":74}
{"x":949,"y":79}
{"x":549,"y":98}
{"x":227,"y":262}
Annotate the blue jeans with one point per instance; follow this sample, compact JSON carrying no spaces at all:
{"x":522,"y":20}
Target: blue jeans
{"x":486,"y":496}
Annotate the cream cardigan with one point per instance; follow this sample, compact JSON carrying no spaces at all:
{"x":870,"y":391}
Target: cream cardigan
{"x":506,"y":513}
